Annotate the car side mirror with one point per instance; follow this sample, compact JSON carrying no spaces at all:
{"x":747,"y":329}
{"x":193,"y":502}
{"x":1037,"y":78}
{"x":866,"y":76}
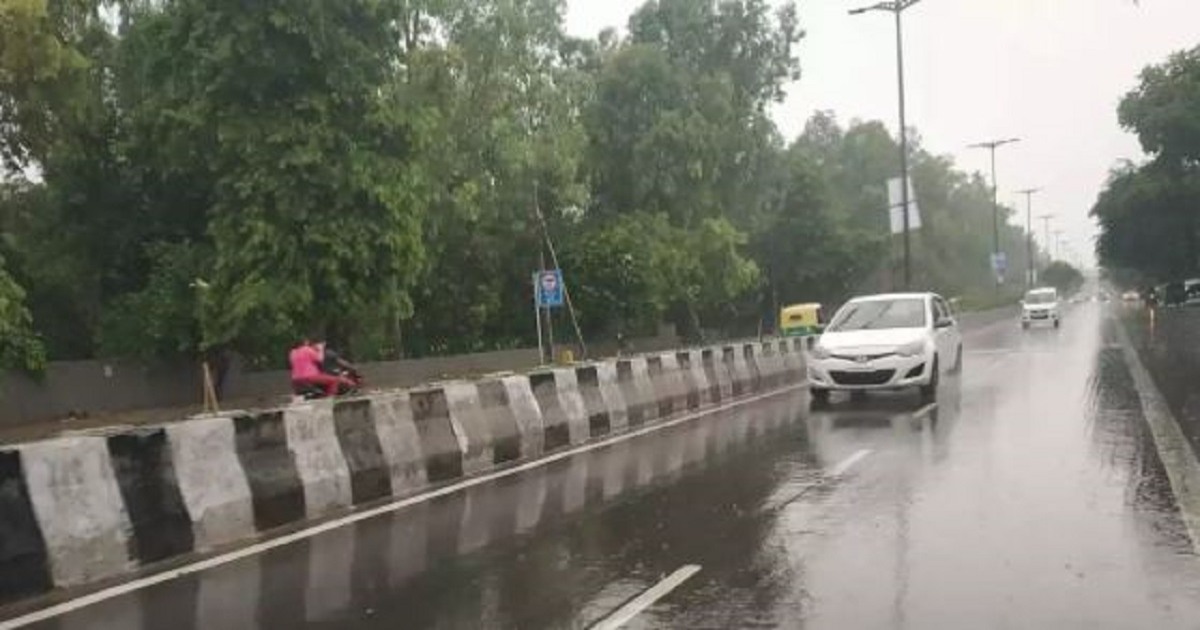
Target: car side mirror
{"x":944,"y":323}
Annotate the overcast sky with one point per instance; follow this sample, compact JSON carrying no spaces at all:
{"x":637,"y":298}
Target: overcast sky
{"x":1048,"y":71}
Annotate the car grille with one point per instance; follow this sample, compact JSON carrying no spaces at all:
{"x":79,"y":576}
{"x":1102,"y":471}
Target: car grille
{"x":875,"y":377}
{"x":862,"y":357}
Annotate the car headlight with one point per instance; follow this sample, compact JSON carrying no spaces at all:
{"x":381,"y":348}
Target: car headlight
{"x":820,"y":352}
{"x":912,"y":349}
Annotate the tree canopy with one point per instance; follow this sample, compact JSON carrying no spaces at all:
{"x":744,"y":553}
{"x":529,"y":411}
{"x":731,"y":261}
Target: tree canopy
{"x":184,"y":176}
{"x":1149,"y":213}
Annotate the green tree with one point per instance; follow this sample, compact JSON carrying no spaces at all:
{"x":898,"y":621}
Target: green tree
{"x":1063,"y":276}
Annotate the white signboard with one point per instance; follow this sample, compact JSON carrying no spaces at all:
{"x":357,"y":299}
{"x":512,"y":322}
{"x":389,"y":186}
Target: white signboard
{"x":895,"y":201}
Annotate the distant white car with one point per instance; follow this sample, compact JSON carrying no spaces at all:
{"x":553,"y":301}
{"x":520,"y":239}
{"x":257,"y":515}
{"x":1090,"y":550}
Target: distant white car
{"x":882,"y":342}
{"x":1041,"y":306}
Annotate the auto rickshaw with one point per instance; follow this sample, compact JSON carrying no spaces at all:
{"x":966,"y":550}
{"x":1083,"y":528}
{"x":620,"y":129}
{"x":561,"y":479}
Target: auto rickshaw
{"x":801,"y":320}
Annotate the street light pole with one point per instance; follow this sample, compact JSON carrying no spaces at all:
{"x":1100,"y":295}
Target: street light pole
{"x":991,"y":146}
{"x":1029,"y":266}
{"x":1046,"y":230}
{"x":897,"y":7}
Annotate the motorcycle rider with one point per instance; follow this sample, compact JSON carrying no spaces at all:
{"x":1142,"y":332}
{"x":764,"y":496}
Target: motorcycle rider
{"x":306,"y":362}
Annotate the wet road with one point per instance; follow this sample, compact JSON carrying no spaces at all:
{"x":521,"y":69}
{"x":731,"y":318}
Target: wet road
{"x":1031,"y":496}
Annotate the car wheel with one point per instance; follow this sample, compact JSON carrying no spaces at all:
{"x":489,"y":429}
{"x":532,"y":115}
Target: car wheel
{"x":820,"y":397}
{"x":929,"y":392}
{"x":1056,"y":322}
{"x":1025,"y":325}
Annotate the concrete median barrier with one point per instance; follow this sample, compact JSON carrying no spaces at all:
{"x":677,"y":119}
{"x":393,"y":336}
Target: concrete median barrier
{"x":739,"y":373}
{"x":720,"y":385}
{"x":275,"y":487}
{"x":641,"y":403}
{"x":527,"y":414}
{"x":399,"y":441}
{"x":144,"y":467}
{"x":81,"y":509}
{"x":320,"y":465}
{"x":564,"y":415}
{"x":443,"y":453}
{"x":674,"y":383}
{"x":358,"y":436}
{"x":613,"y":398}
{"x":211,"y":480}
{"x":694,"y":384}
{"x":503,"y":430}
{"x":24,"y":563}
{"x":471,"y":427}
{"x":599,"y":423}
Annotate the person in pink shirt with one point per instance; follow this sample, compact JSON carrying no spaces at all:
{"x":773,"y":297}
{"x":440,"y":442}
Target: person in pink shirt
{"x":306,"y":360}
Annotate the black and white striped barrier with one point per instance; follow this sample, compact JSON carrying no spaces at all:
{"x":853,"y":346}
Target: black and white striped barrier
{"x":77,"y":510}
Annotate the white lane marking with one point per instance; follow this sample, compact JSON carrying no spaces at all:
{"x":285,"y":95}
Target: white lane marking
{"x":923,"y":411}
{"x":1183,"y":471}
{"x":203,"y":565}
{"x":846,"y":464}
{"x":834,"y":474}
{"x":635,"y":606}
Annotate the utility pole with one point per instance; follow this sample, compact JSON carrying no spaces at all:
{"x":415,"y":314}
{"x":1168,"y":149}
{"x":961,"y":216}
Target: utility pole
{"x":1030,"y":268}
{"x":991,"y":146}
{"x":897,"y":7}
{"x":1058,"y":240}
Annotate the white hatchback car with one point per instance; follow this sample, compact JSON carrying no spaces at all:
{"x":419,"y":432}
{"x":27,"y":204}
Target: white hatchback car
{"x":1041,"y":305}
{"x":882,"y":342}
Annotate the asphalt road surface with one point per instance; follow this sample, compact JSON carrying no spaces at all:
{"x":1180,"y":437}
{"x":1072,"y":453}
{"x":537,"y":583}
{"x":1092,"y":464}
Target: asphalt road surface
{"x":1030,"y":496}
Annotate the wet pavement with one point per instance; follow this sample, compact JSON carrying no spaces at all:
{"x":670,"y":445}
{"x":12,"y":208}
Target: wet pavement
{"x":1030,"y":496}
{"x":1168,"y":341}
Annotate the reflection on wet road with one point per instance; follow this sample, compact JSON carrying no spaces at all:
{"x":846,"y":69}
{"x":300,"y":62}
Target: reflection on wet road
{"x":1030,"y":496}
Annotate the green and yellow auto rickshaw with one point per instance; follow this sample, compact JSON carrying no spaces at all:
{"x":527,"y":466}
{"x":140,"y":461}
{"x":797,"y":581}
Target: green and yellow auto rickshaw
{"x":801,"y":320}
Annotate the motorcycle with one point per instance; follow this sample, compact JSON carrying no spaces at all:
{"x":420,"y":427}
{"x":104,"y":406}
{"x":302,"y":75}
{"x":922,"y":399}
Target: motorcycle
{"x":316,"y":392}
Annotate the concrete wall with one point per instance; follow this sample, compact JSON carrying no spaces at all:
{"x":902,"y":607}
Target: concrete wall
{"x":106,"y":387}
{"x":76,"y":510}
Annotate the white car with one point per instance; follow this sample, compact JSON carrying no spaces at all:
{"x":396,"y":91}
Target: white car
{"x":1041,"y":306}
{"x":882,"y":342}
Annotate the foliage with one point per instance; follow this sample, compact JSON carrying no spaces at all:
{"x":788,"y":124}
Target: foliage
{"x":193,"y":176}
{"x":1062,"y":276}
{"x":1149,"y":214}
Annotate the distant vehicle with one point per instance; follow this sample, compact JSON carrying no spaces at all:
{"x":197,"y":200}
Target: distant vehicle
{"x":799,"y":320}
{"x":1041,"y":306}
{"x":1191,"y":291}
{"x":1172,"y":294}
{"x":886,"y":342}
{"x":1130,"y":297}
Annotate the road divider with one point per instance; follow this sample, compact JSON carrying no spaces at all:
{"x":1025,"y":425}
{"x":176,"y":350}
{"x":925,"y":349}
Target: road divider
{"x":83,"y":509}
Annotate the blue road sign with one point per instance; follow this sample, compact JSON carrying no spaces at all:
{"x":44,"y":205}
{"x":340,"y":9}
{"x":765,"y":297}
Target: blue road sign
{"x":999,"y":263}
{"x":548,"y":284}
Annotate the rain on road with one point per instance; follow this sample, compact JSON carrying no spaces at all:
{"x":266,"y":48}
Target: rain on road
{"x":1030,"y":496}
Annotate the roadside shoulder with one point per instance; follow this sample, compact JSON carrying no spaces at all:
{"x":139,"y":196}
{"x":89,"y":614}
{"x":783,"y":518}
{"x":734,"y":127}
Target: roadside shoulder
{"x":1183,"y":469}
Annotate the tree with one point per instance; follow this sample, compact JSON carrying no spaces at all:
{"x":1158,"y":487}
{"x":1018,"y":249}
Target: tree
{"x":1062,"y":276}
{"x":1162,"y":109}
{"x":1148,"y":213}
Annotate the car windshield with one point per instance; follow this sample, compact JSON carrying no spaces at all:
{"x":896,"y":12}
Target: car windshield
{"x":1040,"y":297}
{"x":881,"y":315}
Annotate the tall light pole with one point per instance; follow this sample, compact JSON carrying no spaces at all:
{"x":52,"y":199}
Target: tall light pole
{"x":1046,"y":226}
{"x":897,"y":7}
{"x":1058,"y":241}
{"x":991,"y":145}
{"x":1029,"y":266}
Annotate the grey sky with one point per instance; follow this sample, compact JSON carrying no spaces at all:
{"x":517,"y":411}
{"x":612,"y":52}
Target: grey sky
{"x":1048,"y":71}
